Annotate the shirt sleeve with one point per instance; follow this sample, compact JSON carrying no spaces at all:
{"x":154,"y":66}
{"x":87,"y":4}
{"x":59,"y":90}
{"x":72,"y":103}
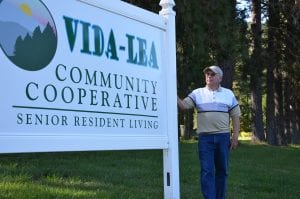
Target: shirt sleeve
{"x":235,"y":108}
{"x":188,"y":102}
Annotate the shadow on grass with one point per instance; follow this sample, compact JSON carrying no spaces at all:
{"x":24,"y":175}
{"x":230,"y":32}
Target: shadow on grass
{"x":256,"y":171}
{"x":118,"y":174}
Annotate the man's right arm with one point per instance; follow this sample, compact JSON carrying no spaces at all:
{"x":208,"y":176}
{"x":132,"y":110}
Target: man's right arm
{"x":180,"y":104}
{"x":185,"y":104}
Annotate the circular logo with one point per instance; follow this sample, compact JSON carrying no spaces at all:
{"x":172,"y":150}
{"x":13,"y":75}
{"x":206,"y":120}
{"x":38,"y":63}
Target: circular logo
{"x":28,"y":34}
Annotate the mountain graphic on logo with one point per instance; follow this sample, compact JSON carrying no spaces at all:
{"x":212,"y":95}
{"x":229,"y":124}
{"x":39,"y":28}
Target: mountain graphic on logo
{"x":27,"y":33}
{"x":9,"y":33}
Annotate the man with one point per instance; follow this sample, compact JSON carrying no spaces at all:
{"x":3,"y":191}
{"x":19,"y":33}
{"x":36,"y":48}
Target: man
{"x":215,"y":106}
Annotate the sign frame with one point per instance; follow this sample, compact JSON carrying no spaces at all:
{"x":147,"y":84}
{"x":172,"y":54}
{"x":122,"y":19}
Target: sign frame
{"x":167,"y":141}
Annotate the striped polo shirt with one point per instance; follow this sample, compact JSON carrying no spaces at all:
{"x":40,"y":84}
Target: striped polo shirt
{"x":214,"y":109}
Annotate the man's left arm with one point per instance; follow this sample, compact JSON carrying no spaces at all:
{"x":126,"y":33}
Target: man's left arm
{"x":236,"y":131}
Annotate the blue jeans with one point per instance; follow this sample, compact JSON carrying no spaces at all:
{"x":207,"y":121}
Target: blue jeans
{"x":213,"y":155}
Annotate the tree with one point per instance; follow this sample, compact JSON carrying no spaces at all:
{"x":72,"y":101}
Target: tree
{"x":272,"y":55}
{"x":256,"y":70}
{"x":283,"y":50}
{"x":291,"y":57}
{"x":36,"y":51}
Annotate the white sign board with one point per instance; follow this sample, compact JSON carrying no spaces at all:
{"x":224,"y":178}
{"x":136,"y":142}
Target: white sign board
{"x":101,"y":75}
{"x":85,"y":75}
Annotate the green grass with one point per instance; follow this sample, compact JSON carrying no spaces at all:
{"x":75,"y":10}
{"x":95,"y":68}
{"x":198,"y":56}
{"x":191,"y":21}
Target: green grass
{"x":256,"y":171}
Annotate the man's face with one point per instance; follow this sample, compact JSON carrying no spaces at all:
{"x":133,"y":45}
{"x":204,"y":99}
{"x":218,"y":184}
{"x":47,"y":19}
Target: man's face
{"x":212,"y":79}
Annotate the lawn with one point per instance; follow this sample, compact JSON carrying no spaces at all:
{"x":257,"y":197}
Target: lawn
{"x":256,"y":171}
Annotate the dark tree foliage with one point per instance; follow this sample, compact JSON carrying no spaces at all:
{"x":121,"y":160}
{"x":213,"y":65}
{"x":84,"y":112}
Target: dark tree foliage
{"x":272,"y":55}
{"x":150,"y":5}
{"x":207,"y":33}
{"x":256,"y":68}
{"x":36,"y":51}
{"x":283,"y":72}
{"x":260,"y":62}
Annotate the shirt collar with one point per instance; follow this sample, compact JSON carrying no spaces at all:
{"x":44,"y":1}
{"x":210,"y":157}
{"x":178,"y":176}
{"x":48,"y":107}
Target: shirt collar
{"x":219,"y":89}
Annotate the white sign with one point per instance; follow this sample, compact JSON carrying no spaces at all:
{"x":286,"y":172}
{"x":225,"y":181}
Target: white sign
{"x":88,"y":75}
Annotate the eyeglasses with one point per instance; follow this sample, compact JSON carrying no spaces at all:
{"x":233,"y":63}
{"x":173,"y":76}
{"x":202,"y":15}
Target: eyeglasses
{"x":210,"y":74}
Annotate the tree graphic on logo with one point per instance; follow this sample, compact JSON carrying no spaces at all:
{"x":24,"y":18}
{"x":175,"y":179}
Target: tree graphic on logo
{"x":27,"y":33}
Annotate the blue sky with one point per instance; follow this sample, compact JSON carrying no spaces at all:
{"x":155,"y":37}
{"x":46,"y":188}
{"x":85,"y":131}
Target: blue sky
{"x":11,"y":10}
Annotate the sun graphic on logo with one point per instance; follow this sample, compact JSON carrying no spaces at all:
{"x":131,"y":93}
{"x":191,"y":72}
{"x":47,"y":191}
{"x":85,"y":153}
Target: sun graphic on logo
{"x":26,"y":9}
{"x":28,"y":33}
